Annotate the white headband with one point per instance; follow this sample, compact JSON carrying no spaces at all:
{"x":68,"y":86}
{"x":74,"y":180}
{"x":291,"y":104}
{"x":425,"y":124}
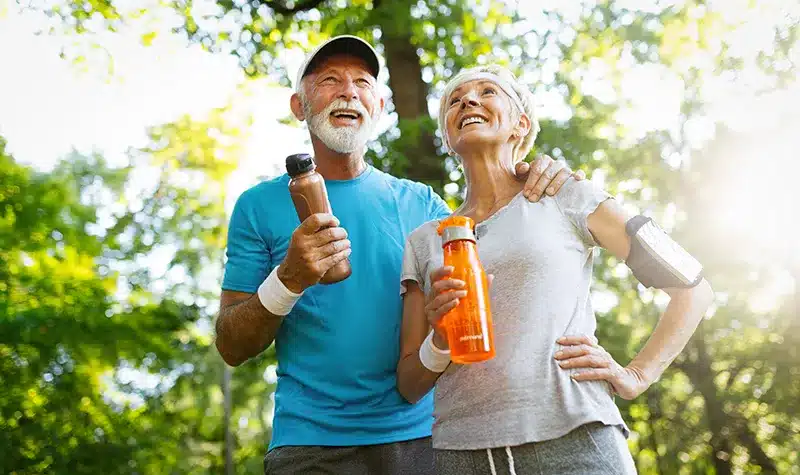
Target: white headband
{"x":502,"y":83}
{"x":468,"y":76}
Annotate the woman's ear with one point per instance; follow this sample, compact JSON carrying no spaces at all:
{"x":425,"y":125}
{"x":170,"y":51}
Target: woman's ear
{"x":523,"y":126}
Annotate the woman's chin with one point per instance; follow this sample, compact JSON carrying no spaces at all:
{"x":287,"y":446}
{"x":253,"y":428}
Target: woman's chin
{"x":469,"y":141}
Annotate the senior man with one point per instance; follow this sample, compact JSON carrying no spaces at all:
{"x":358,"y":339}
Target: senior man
{"x":337,"y":409}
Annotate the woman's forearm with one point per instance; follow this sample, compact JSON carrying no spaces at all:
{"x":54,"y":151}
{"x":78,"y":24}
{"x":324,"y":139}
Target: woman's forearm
{"x":673,"y":331}
{"x":414,"y":380}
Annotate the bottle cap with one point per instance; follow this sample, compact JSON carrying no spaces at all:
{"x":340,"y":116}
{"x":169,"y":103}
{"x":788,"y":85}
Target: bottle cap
{"x":299,"y":163}
{"x":457,"y":228}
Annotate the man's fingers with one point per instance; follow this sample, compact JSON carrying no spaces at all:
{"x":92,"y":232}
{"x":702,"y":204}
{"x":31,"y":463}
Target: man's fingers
{"x":577,"y":340}
{"x":561,"y":177}
{"x":536,"y":169}
{"x":521,"y":170}
{"x":328,"y":235}
{"x":334,"y":248}
{"x":593,"y":375}
{"x":447,"y":284}
{"x":318,"y":221}
{"x":587,"y":361}
{"x":544,"y":181}
{"x":324,"y":265}
{"x":441,"y":273}
{"x":579,"y":175}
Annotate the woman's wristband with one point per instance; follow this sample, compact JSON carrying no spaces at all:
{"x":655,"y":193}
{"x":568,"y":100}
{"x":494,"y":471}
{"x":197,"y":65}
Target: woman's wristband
{"x":433,"y":358}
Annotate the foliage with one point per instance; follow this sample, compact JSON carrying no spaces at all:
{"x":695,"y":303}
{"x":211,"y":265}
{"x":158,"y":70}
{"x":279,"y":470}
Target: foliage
{"x":87,"y":318}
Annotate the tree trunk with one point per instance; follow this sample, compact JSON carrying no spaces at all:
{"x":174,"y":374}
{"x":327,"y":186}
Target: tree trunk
{"x":653,"y":404}
{"x":757,"y":454}
{"x":702,"y":378}
{"x":410,"y":96}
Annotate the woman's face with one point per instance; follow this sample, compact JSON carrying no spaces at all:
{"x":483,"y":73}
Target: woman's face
{"x":478,"y":112}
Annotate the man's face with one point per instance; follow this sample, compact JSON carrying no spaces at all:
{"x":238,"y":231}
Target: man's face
{"x":341,"y":104}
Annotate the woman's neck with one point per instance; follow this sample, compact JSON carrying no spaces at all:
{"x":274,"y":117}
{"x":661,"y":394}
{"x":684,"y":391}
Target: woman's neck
{"x":491,"y":184}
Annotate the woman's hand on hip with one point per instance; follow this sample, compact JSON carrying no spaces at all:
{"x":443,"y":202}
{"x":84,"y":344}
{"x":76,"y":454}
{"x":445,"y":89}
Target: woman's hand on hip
{"x":596,"y":364}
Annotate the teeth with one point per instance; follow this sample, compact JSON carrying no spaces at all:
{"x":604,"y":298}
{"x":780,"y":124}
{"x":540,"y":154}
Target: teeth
{"x":351,"y":115}
{"x":472,"y":120}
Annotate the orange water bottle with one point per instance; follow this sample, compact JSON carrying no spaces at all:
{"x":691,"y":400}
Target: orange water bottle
{"x":469,"y":324}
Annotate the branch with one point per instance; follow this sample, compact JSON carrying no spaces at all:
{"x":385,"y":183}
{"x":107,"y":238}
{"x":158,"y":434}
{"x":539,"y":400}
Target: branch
{"x":733,"y":374}
{"x":279,"y":7}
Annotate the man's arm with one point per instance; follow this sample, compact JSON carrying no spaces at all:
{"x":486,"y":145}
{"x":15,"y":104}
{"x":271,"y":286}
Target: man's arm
{"x":244,"y":327}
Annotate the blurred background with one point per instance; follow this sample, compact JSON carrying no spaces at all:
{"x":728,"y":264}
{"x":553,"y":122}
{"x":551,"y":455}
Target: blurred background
{"x":128,"y":128}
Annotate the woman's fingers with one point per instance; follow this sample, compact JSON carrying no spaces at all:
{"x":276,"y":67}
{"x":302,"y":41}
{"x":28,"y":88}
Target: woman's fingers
{"x":447,"y":284}
{"x":604,"y":374}
{"x":587,"y":361}
{"x":446,"y":298}
{"x":573,"y":351}
{"x":441,"y":273}
{"x":577,"y":340}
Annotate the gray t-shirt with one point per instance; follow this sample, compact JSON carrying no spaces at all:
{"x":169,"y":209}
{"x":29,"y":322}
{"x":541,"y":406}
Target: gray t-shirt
{"x":541,"y":257}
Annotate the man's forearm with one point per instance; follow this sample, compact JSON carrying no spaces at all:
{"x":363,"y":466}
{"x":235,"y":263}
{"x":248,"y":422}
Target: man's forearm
{"x":673,"y":331}
{"x":245,"y":329}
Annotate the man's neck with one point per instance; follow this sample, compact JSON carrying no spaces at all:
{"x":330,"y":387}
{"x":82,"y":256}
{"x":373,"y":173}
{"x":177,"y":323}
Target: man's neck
{"x":337,"y":166}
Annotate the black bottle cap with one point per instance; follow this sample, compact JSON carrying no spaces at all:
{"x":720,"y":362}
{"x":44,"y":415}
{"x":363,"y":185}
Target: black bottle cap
{"x":299,"y":163}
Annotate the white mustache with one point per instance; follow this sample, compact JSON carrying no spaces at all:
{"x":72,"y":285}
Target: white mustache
{"x":355,"y":105}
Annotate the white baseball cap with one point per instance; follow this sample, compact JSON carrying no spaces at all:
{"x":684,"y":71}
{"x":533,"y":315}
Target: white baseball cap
{"x":344,"y":44}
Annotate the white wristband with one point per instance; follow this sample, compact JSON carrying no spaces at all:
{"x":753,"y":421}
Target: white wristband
{"x":275,"y":297}
{"x":433,"y":358}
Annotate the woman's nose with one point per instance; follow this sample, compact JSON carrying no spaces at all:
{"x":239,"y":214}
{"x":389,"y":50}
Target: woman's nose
{"x":469,"y":99}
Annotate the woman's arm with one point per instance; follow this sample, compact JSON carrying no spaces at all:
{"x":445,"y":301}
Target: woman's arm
{"x":414,"y":380}
{"x":674,"y":329}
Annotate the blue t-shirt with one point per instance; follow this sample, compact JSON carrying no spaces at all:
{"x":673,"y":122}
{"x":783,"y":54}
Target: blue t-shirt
{"x":338,"y":349}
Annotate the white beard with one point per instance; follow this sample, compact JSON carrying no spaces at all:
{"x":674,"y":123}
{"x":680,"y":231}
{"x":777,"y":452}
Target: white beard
{"x":345,"y":139}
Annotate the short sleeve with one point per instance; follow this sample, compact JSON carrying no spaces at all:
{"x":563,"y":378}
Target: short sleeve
{"x":577,"y":200}
{"x":410,"y":269}
{"x":437,"y":207}
{"x":248,"y":257}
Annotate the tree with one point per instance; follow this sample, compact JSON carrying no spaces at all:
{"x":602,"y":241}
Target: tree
{"x":728,"y":404}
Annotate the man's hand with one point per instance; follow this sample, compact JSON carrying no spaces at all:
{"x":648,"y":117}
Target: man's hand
{"x":317,"y":245}
{"x":598,"y":365}
{"x":545,"y":175}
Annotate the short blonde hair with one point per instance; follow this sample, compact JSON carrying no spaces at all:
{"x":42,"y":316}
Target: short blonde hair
{"x":520,"y":96}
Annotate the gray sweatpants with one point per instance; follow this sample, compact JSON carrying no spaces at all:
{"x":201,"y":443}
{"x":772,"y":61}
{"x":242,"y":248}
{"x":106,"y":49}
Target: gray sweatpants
{"x":591,"y":449}
{"x":411,"y":457}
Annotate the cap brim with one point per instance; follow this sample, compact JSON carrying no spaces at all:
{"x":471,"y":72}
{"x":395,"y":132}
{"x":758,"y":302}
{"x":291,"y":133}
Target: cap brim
{"x":349,"y":45}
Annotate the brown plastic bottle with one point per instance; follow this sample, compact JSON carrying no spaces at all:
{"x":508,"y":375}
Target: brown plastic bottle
{"x":469,"y":324}
{"x":307,"y":188}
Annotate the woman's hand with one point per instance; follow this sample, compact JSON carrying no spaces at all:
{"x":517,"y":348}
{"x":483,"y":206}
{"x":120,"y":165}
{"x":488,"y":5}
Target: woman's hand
{"x":443,"y":297}
{"x":583,"y":352}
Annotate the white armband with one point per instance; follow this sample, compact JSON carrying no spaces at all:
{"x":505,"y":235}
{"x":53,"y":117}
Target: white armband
{"x":433,"y":358}
{"x":275,"y":297}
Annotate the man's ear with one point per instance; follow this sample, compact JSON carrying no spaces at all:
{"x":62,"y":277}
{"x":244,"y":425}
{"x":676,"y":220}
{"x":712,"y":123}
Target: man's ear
{"x":296,"y":104}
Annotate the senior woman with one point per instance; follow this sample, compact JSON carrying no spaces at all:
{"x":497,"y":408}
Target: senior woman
{"x":544,"y":404}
